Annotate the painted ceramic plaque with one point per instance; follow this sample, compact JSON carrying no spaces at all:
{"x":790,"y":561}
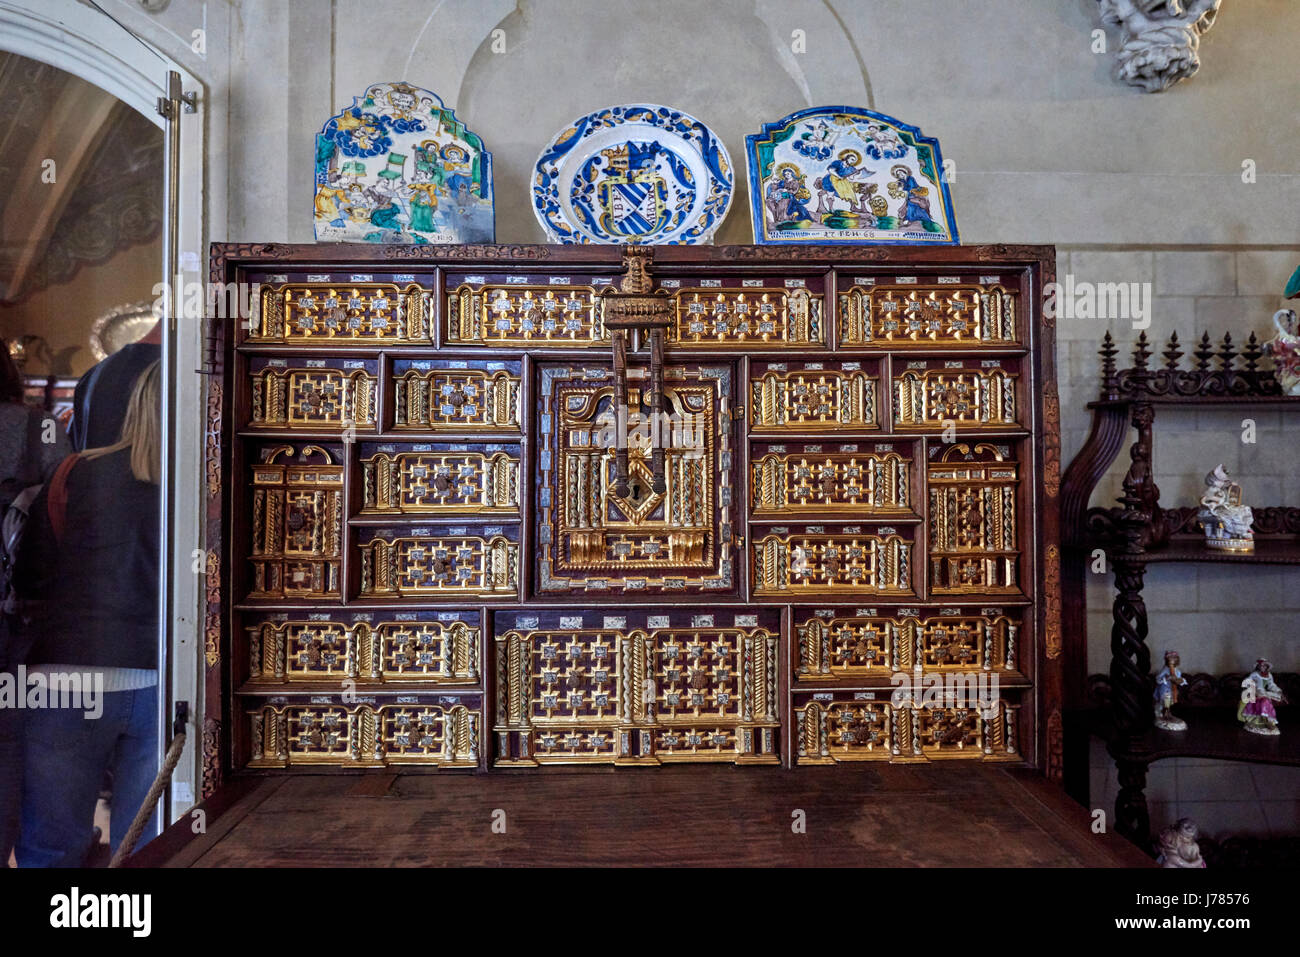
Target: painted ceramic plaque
{"x":841,"y":174}
{"x":398,"y":167}
{"x":639,"y":173}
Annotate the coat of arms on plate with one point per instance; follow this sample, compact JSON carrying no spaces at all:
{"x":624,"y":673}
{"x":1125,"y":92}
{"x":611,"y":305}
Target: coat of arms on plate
{"x":842,"y":174}
{"x":398,"y":167}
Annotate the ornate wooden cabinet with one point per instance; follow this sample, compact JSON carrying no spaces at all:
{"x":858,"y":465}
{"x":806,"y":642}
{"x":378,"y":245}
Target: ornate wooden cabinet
{"x":511,"y":506}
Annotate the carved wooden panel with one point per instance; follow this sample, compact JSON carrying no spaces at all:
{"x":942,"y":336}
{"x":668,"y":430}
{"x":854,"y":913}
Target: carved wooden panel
{"x":296,"y":523}
{"x":329,"y":312}
{"x":529,"y":313}
{"x":847,"y":644}
{"x":831,"y":478}
{"x":542,"y":311}
{"x":636,"y":686}
{"x":833,"y":727}
{"x":314,"y":395}
{"x":441,"y":561}
{"x":932,"y":393}
{"x":753,"y":317}
{"x":812,"y":396}
{"x":443,"y":396}
{"x":440,"y":647}
{"x":443,"y":479}
{"x":444,"y":733}
{"x":973,"y":522}
{"x":957,"y":315}
{"x":591,"y":539}
{"x":832,"y":559}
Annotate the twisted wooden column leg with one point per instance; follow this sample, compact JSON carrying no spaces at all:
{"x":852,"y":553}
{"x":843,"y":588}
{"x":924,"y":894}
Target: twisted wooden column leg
{"x":1131,"y":818}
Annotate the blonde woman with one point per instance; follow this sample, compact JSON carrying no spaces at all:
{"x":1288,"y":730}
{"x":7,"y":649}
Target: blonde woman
{"x":91,"y":553}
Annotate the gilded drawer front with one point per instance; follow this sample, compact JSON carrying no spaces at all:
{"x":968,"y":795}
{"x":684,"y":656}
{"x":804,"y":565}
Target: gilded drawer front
{"x":974,"y":527}
{"x":936,"y":394}
{"x":567,"y":311}
{"x":593,"y":540}
{"x":442,"y":560}
{"x":432,"y":647}
{"x":959,"y":315}
{"x":335,"y":312}
{"x":452,"y":396}
{"x":296,"y":525}
{"x":832,"y":559}
{"x":749,"y":313}
{"x":637,"y":687}
{"x":326,"y":395}
{"x":847,"y":645}
{"x":813,"y":396}
{"x":442,"y":479}
{"x":841,"y":726}
{"x":435,"y":731}
{"x":832,"y":478}
{"x":540,"y":310}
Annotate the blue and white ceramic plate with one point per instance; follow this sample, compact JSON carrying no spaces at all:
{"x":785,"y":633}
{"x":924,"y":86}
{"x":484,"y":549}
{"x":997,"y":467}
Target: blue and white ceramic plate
{"x":637,"y":173}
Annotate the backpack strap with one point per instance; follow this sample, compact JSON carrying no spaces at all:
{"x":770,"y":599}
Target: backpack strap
{"x":56,"y":504}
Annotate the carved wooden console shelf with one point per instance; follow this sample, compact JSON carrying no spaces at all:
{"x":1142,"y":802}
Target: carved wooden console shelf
{"x":1139,"y":532}
{"x":511,"y":506}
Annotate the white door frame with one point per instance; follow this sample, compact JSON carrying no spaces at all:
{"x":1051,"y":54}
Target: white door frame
{"x":74,"y":37}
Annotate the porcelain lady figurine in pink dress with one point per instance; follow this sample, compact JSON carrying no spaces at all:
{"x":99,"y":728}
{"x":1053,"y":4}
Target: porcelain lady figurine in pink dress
{"x":1258,"y":693}
{"x":1285,"y":350}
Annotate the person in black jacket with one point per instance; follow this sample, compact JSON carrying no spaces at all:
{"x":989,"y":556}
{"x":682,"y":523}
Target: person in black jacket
{"x":31,"y":447}
{"x":94,"y":559}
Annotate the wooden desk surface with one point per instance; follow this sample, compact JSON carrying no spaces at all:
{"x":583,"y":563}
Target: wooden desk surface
{"x":956,"y":815}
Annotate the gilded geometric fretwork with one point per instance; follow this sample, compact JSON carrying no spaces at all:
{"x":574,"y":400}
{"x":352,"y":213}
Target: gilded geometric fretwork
{"x":835,"y":728}
{"x":333,"y":312}
{"x":834,"y":647}
{"x":446,"y":481}
{"x":815,"y":481}
{"x":929,"y":398}
{"x":756,"y":318}
{"x":974,"y":533}
{"x":632,"y":695}
{"x":439,"y":735}
{"x":813,"y":399}
{"x":390,"y":651}
{"x":590,"y":538}
{"x":523,"y":314}
{"x":451,"y":562}
{"x":927,"y":316}
{"x":850,"y":562}
{"x":466,"y":400}
{"x":831,"y":731}
{"x":510,"y":314}
{"x":313,"y":398}
{"x":297,"y":524}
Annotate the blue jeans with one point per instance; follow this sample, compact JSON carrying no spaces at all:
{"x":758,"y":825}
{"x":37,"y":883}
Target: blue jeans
{"x":67,"y":754}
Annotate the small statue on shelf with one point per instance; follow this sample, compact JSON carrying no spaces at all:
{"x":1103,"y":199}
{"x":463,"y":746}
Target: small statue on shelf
{"x":1285,"y":350}
{"x":1178,"y":847}
{"x":1168,"y":681}
{"x":1258,"y":693}
{"x":1226,"y":521}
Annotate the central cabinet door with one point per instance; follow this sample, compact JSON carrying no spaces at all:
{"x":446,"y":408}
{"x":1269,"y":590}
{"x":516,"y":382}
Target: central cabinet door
{"x":597,"y":540}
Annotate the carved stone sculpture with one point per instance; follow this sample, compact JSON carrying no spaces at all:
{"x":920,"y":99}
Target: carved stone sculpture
{"x":1161,"y":38}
